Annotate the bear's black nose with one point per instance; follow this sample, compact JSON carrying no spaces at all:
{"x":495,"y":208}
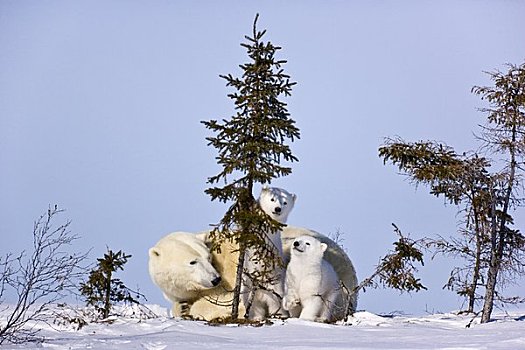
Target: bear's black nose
{"x":296,"y":244}
{"x":216,"y":281}
{"x":277,"y":210}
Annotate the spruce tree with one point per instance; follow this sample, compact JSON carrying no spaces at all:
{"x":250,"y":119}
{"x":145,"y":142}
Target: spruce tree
{"x":102,"y":290}
{"x":396,"y":270}
{"x":462,"y":180}
{"x":498,"y":253}
{"x":251,"y":146}
{"x":505,"y":134}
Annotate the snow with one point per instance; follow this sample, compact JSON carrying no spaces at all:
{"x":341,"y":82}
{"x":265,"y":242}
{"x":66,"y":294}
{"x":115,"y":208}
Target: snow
{"x":363,"y":331}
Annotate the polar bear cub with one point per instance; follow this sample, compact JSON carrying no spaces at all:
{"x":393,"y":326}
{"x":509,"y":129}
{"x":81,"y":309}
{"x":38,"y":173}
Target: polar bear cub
{"x":311,"y":284}
{"x":181,"y":265}
{"x":266,"y":302}
{"x":277,"y":203}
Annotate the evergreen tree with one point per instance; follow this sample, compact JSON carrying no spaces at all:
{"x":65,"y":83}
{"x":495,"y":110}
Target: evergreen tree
{"x":396,"y":270}
{"x":498,"y":254}
{"x":251,"y":146}
{"x":462,"y":180}
{"x":505,"y":134}
{"x":102,"y":290}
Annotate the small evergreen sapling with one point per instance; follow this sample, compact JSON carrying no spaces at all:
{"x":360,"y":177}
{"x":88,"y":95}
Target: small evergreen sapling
{"x":102,"y":290}
{"x":396,"y":270}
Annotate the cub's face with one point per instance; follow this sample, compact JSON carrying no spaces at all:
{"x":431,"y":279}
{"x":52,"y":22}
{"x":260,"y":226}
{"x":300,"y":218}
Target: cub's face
{"x":277,"y":203}
{"x":307,"y":247}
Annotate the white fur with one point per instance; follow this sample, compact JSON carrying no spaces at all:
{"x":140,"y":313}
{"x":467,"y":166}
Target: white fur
{"x":278,"y":204}
{"x":180,"y":264}
{"x":215,"y":302}
{"x":336,"y":257}
{"x":311,"y":285}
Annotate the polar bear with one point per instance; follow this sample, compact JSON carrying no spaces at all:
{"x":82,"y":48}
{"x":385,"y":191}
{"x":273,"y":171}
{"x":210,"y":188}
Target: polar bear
{"x":311,"y":284}
{"x":339,"y":260}
{"x":212,"y":303}
{"x":263,"y":301}
{"x":276,"y":202}
{"x":180,"y":264}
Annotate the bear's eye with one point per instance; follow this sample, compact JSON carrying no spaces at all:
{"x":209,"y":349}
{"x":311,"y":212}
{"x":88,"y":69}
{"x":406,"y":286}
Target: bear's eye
{"x":273,"y":199}
{"x":307,"y":243}
{"x":285,"y":203}
{"x":193,"y":262}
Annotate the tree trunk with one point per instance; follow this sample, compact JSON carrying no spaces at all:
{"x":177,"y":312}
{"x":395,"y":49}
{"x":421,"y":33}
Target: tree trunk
{"x":107,"y":301}
{"x":499,"y":245}
{"x":477,"y":262}
{"x":247,"y":204}
{"x":490,"y":288}
{"x":475,"y":279}
{"x":238,"y":282}
{"x":492,"y":274}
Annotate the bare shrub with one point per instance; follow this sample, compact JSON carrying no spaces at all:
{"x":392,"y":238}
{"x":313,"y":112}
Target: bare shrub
{"x":38,"y":279}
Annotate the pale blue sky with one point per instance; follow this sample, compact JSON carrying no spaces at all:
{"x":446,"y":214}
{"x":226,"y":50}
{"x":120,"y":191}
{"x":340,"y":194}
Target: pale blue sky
{"x":100,"y":103}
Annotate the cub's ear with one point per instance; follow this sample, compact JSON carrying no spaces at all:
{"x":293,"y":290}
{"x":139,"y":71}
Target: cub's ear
{"x":294,"y":197}
{"x":323,"y":247}
{"x":154,"y":252}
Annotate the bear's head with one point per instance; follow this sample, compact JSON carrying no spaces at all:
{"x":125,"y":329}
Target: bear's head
{"x":180,"y":264}
{"x":277,"y":203}
{"x":307,"y":248}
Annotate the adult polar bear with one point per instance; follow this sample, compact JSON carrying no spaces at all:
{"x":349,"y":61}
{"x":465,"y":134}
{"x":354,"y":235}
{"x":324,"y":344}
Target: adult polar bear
{"x":205,"y":303}
{"x":181,"y":265}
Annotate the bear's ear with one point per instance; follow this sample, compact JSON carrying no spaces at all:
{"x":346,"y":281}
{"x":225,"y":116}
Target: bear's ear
{"x":265,"y":188}
{"x":294,"y":197}
{"x":323,"y":247}
{"x":154,"y":252}
{"x":203,"y":236}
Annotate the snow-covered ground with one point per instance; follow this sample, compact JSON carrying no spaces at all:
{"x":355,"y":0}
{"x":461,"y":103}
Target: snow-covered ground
{"x":364,"y":331}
